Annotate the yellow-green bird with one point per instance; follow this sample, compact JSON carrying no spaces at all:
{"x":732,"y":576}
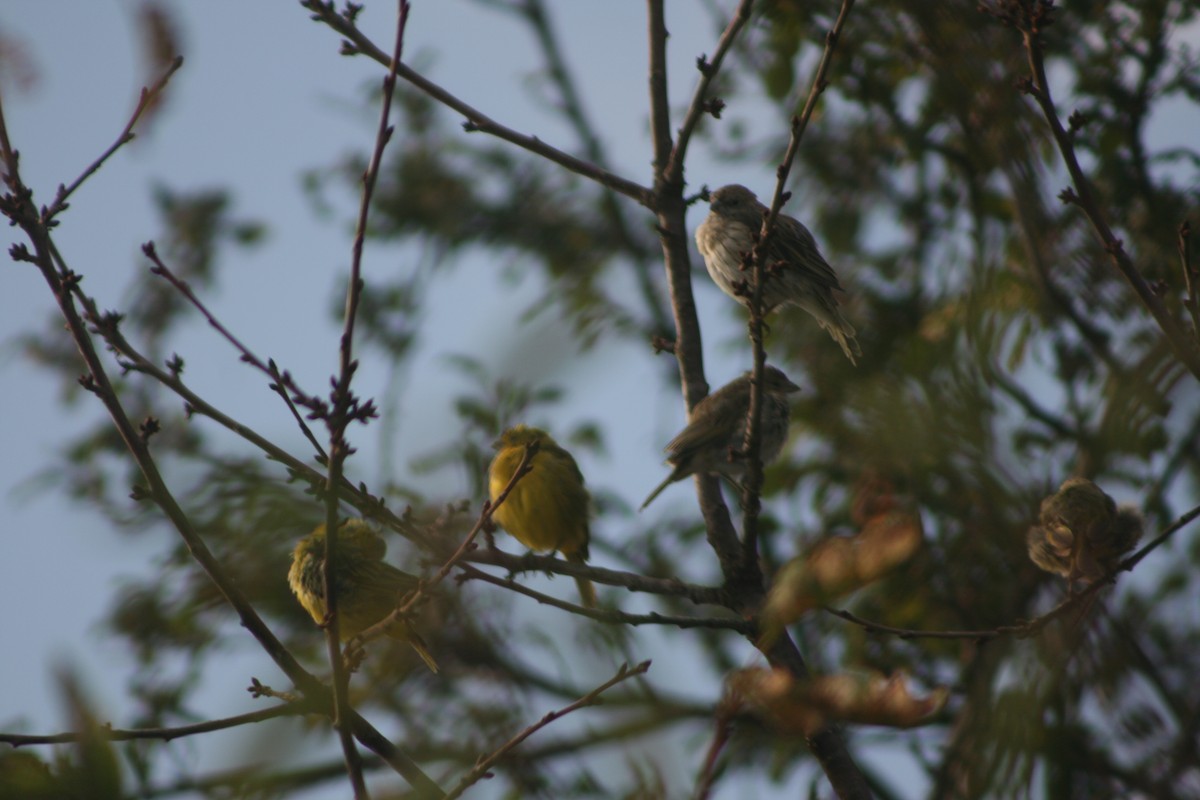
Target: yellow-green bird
{"x":368,"y":588}
{"x":717,"y":430}
{"x":548,"y":508}
{"x":1082,"y":534}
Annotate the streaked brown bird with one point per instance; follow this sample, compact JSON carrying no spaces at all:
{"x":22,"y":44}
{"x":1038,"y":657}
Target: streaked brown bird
{"x":804,"y":278}
{"x":717,"y":430}
{"x":368,"y":588}
{"x":548,"y":508}
{"x":1081,"y":533}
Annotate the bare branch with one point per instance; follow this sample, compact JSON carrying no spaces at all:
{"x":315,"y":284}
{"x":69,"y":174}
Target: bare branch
{"x":165,"y":734}
{"x":672,"y":587}
{"x":752,"y":496}
{"x":670,"y":211}
{"x":722,"y":730}
{"x":281,"y":382}
{"x":1030,"y":23}
{"x":486,"y":762}
{"x":1189,"y":276}
{"x":673,"y":170}
{"x":612,"y":616}
{"x":342,"y":414}
{"x":146,"y":99}
{"x":358,"y":42}
{"x":641,"y":256}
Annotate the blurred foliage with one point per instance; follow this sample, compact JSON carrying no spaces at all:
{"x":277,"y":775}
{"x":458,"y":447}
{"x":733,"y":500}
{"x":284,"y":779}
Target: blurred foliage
{"x":1002,"y":353}
{"x":454,"y":194}
{"x":86,"y":769}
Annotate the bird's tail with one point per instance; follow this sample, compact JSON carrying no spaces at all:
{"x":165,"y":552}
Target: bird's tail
{"x":843,"y":333}
{"x":658,"y":490}
{"x":830,"y":318}
{"x":413,"y":638}
{"x":587,"y":590}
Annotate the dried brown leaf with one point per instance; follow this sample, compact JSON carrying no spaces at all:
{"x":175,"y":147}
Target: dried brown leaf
{"x":840,"y":565}
{"x":803,"y":707}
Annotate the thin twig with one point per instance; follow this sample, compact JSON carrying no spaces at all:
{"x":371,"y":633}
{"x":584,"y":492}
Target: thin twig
{"x":282,"y":383}
{"x":132,"y":359}
{"x":612,"y":616}
{"x":247,"y":780}
{"x":722,"y":730}
{"x":358,"y":42}
{"x":343,"y":412}
{"x":752,"y":500}
{"x":641,"y":256}
{"x":673,"y":169}
{"x":486,"y":762}
{"x":165,"y":734}
{"x":1189,"y":277}
{"x":146,"y":99}
{"x":671,"y":587}
{"x":1030,"y":22}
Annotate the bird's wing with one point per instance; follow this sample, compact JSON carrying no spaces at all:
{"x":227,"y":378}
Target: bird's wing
{"x":699,"y":436}
{"x":794,"y":245}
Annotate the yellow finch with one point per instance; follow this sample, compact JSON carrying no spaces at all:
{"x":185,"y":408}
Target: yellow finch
{"x":803,"y":278}
{"x":717,"y":430}
{"x":548,"y":508}
{"x":368,"y":589}
{"x":1082,"y":534}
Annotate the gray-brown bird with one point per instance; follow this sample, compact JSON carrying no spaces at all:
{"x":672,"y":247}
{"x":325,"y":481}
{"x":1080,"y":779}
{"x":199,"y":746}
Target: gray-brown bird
{"x":717,"y":430}
{"x":804,"y":277}
{"x":1081,"y":533}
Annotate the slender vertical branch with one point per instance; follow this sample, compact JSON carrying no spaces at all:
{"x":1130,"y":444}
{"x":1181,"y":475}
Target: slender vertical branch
{"x":345,"y":409}
{"x":752,"y":445}
{"x":722,"y":730}
{"x":660,"y":109}
{"x":828,"y":744}
{"x":670,"y":211}
{"x":1189,"y":277}
{"x":700,"y":102}
{"x":752,"y":504}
